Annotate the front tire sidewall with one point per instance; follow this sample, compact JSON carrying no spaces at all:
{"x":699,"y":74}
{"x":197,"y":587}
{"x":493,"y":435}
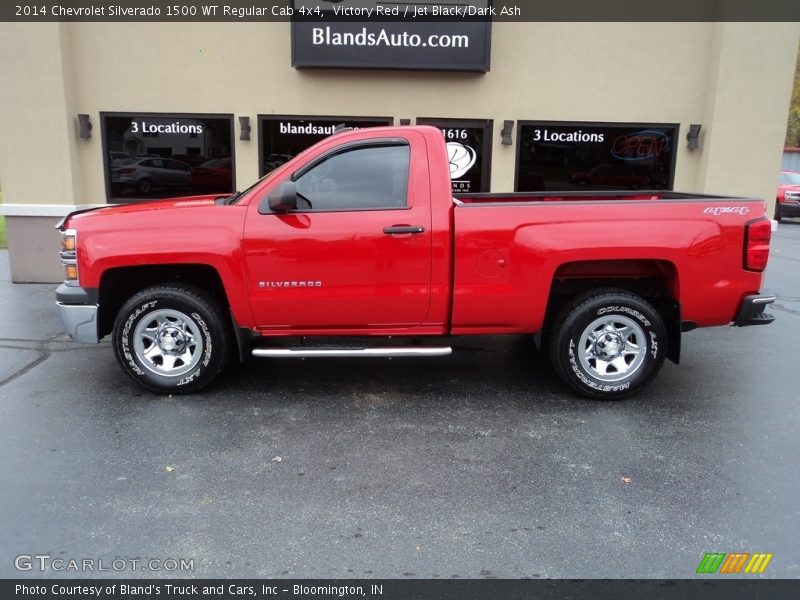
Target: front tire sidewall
{"x":654,"y":346}
{"x":140,"y":307}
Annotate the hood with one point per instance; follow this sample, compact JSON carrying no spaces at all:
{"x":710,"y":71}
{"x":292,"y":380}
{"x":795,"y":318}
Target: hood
{"x":136,"y":207}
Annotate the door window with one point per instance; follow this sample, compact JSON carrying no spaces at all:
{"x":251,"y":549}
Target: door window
{"x":361,"y":178}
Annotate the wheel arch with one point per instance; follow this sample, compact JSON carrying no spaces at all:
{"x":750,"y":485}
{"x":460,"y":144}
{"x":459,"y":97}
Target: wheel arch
{"x":120,"y":283}
{"x":657,"y":281}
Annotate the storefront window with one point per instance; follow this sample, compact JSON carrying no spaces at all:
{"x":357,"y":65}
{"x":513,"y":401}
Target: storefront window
{"x":574,"y":156}
{"x":284,"y":137}
{"x":469,"y":150}
{"x":152,"y":156}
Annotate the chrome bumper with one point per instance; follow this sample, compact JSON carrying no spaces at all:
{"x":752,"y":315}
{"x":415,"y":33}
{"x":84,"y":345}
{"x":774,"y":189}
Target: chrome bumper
{"x":79,"y":321}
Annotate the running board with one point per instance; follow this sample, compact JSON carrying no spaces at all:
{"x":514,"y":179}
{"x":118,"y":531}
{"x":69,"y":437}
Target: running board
{"x":350,"y":352}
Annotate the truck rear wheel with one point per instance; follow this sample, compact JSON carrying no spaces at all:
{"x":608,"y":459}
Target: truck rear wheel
{"x":171,"y":339}
{"x":608,"y":344}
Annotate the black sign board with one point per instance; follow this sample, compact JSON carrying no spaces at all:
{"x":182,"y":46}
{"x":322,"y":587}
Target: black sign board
{"x":285,"y":136}
{"x":327,"y":39}
{"x":157,"y":155}
{"x":570,"y":156}
{"x":469,"y":150}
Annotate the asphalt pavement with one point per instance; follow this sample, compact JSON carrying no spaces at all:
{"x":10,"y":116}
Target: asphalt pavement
{"x":477,"y":465}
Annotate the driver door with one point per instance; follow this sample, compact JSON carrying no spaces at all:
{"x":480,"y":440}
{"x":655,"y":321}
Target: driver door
{"x":355,"y":255}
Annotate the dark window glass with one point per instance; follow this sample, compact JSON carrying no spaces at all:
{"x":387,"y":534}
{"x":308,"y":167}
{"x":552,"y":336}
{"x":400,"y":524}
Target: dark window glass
{"x":469,"y":151}
{"x":283,"y":138}
{"x":362,"y":178}
{"x":575,"y":156}
{"x":153,"y":156}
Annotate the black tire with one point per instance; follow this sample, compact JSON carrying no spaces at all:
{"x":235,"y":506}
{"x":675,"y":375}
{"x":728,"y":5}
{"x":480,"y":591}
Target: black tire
{"x":144,"y":186}
{"x":778,"y":216}
{"x":608,"y":324}
{"x":171,"y":339}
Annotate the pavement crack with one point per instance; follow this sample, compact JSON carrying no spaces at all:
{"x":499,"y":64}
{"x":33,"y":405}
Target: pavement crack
{"x":42,"y":347}
{"x":782,"y":308}
{"x":43,"y":356}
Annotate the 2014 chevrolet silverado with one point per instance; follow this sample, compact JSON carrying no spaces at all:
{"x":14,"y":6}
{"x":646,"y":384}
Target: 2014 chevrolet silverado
{"x":357,"y":247}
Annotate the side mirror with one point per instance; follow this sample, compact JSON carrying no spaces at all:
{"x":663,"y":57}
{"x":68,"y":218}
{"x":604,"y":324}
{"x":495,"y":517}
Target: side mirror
{"x":282,"y":199}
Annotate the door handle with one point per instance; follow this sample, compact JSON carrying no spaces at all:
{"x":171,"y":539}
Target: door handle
{"x":401,"y":229}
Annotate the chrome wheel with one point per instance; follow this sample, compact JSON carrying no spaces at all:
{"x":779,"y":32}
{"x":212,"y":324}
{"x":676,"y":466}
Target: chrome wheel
{"x":612,"y":348}
{"x":168,"y":342}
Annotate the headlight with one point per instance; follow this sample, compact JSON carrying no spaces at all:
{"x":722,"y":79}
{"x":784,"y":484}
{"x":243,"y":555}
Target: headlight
{"x":69,"y":257}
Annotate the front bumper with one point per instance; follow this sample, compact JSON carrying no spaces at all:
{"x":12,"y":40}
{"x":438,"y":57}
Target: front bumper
{"x":789,"y":209}
{"x":751,"y":311}
{"x":78,"y":320}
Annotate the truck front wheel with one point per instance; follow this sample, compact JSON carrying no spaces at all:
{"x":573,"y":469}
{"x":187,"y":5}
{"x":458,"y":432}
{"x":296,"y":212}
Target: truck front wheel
{"x":608,"y":344}
{"x":171,"y":339}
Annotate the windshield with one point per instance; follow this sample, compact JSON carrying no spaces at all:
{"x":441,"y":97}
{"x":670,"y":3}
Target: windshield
{"x":789,"y":178}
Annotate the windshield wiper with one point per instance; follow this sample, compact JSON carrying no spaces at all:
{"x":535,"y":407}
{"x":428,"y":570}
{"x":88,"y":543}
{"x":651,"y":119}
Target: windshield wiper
{"x":233,"y":197}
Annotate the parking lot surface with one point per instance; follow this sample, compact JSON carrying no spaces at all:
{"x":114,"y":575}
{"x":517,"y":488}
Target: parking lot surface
{"x":477,"y":465}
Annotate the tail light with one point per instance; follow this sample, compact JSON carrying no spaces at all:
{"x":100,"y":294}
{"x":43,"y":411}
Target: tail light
{"x":126,"y":171}
{"x":756,"y":244}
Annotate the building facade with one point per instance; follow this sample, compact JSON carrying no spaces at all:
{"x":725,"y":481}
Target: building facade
{"x":167,"y":109}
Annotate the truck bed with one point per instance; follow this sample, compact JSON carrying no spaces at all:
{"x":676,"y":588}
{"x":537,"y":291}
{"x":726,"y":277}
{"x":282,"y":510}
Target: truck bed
{"x":581,"y":196}
{"x":508,"y":255}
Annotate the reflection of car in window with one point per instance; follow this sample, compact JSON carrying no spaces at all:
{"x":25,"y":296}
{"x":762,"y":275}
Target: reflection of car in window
{"x":214,"y":175}
{"x":116,"y":157}
{"x":787,"y":199}
{"x":146,"y":174}
{"x":193,"y":160}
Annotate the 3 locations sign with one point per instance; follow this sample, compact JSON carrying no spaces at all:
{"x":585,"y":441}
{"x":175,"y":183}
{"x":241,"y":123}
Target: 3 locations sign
{"x":569,"y":156}
{"x":365,"y":34}
{"x":158,"y":155}
{"x":284,"y":137}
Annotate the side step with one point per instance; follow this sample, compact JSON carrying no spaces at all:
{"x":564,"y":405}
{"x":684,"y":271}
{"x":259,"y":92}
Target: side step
{"x":350,"y":352}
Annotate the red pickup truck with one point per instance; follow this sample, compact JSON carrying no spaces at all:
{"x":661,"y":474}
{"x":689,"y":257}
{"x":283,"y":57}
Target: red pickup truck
{"x":357,"y":247}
